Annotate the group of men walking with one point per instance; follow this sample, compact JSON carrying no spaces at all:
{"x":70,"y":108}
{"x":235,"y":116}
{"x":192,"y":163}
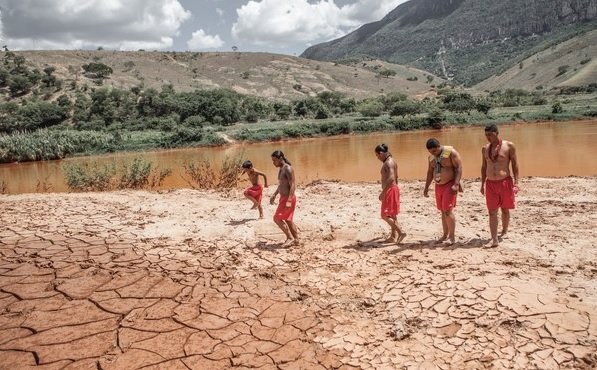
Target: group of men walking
{"x":499,"y":185}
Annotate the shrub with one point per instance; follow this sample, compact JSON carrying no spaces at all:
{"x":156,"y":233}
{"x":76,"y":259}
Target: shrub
{"x":585,"y":61}
{"x":140,"y":174}
{"x":562,"y":69}
{"x":372,"y":108}
{"x":202,"y":174}
{"x":436,"y":118}
{"x":404,"y":108}
{"x":89,"y":177}
{"x":3,"y":187}
{"x":557,"y":108}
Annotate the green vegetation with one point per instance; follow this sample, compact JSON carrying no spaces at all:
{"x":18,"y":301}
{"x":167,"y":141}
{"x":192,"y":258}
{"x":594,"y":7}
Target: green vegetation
{"x":51,"y":123}
{"x":137,"y":174}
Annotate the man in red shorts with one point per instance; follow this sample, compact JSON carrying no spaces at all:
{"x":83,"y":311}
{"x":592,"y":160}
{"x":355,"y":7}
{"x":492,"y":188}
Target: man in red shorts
{"x":286,"y":188}
{"x":445,"y":167}
{"x":390,"y":193}
{"x":255,"y":192}
{"x":496,"y":182}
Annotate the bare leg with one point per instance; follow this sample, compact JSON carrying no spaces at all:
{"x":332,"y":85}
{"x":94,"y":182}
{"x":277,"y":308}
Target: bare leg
{"x":493,"y":226}
{"x":284,"y":227}
{"x":255,"y":203}
{"x":450,"y":221}
{"x":293,"y":231}
{"x":396,"y":232}
{"x":260,"y":208}
{"x":505,"y":221}
{"x":444,"y":228}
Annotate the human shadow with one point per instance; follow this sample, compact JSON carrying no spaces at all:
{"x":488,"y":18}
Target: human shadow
{"x":375,"y":243}
{"x":272,"y":246}
{"x":239,"y":222}
{"x":433,"y":244}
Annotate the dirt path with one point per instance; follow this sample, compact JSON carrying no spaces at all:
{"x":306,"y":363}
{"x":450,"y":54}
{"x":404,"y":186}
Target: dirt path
{"x":192,"y":280}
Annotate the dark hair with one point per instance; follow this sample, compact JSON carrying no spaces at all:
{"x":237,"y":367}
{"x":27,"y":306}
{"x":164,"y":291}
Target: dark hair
{"x":247,"y":164}
{"x":492,"y":127}
{"x":278,"y":154}
{"x":432,"y":143}
{"x":381,"y":148}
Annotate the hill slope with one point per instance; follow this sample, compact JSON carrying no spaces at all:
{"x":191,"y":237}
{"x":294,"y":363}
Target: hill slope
{"x":468,"y":40}
{"x":571,"y":63}
{"x":268,"y":75}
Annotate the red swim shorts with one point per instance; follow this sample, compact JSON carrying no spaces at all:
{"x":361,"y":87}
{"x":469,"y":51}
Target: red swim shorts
{"x":390,"y":205}
{"x":283,"y":212}
{"x":255,"y":191}
{"x":500,"y":194}
{"x":445,"y":198}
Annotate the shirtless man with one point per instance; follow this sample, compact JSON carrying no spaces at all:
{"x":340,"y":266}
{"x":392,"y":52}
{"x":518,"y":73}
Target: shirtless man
{"x":390,"y":193}
{"x":445,"y":167}
{"x":255,"y":192}
{"x":286,"y":188}
{"x":496,"y":182}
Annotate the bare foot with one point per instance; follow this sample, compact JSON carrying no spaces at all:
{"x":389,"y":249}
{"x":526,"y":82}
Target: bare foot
{"x":504,"y":234}
{"x":296,"y":242}
{"x":390,"y":239}
{"x":491,"y":244}
{"x":400,"y":238}
{"x":441,"y":240}
{"x":287,"y":243}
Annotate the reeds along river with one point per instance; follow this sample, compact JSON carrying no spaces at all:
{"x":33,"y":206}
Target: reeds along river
{"x":544,"y":149}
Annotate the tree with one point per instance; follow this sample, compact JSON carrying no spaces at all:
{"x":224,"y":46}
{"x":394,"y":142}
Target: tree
{"x":19,"y":85}
{"x":97,"y":70}
{"x":403,"y":108}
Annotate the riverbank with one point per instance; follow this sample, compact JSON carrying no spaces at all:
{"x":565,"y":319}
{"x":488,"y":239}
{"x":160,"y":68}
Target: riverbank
{"x":187,"y":278}
{"x":63,"y":141}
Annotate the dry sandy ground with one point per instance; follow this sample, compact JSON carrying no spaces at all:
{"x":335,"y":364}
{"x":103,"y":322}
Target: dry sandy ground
{"x":192,"y":280}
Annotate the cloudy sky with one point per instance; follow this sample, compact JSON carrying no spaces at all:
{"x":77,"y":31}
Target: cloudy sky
{"x":280,"y":26}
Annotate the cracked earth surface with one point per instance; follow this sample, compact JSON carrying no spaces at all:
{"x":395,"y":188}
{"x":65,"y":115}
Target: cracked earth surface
{"x":192,"y":280}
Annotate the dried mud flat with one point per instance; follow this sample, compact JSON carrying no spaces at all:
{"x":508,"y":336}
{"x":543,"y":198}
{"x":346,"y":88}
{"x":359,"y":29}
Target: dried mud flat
{"x":192,"y":280}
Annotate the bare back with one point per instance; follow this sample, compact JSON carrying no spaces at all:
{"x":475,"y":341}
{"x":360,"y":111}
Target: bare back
{"x":389,"y":173}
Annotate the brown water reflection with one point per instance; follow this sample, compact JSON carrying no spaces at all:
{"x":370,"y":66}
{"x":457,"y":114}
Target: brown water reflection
{"x":545,"y":149}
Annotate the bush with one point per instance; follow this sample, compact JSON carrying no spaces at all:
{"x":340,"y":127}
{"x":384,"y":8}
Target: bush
{"x":557,"y":108}
{"x":372,"y":108}
{"x":202,"y":174}
{"x":562,"y":69}
{"x":436,"y":118}
{"x":404,"y":108}
{"x":140,"y":174}
{"x":89,"y":177}
{"x":45,"y":144}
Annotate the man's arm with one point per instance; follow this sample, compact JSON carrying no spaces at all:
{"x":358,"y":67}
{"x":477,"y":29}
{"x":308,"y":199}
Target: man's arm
{"x":483,"y":170}
{"x":264,"y":177}
{"x":430,"y":170}
{"x":514,"y":161}
{"x":457,"y":164}
{"x":291,"y":185}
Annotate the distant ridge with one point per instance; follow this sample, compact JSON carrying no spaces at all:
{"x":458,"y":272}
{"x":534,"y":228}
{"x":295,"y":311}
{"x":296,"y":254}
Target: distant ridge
{"x":465,"y":40}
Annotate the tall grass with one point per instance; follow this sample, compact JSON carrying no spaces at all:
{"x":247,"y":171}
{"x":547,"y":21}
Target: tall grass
{"x":51,"y":144}
{"x":203,"y":174}
{"x":3,"y":187}
{"x":137,"y":174}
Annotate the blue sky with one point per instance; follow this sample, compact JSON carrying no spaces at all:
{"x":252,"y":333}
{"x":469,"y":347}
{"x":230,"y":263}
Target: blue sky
{"x":279,"y":26}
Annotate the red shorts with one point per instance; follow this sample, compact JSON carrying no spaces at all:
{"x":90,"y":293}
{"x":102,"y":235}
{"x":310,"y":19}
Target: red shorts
{"x":500,"y":194}
{"x":255,"y":191}
{"x":390,"y":204}
{"x":283,"y":212}
{"x":445,"y":198}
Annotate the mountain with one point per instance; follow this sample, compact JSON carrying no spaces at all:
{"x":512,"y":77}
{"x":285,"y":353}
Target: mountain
{"x":570,"y":63}
{"x":465,"y":40}
{"x":273,"y":76}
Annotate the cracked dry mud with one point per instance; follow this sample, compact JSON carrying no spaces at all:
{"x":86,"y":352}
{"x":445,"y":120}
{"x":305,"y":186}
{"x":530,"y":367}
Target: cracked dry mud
{"x":192,"y":280}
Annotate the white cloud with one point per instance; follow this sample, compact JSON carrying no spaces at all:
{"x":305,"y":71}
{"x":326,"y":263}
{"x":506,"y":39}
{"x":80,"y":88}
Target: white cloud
{"x":220,"y":12}
{"x":75,"y":24}
{"x":298,"y":21}
{"x":201,"y":40}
